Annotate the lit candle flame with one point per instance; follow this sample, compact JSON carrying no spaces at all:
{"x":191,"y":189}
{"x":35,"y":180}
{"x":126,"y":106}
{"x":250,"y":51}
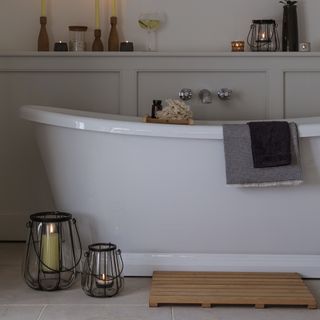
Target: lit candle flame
{"x":51,"y":228}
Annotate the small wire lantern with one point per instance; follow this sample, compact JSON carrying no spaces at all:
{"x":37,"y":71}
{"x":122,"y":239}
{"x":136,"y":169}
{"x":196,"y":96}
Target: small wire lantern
{"x":263,"y":36}
{"x":53,"y":251}
{"x":102,"y":269}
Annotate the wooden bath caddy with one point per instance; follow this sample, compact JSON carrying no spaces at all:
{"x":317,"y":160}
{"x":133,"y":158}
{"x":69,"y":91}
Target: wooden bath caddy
{"x":148,"y":119}
{"x":230,"y":288}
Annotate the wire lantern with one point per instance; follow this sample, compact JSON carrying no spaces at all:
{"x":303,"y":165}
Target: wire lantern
{"x":53,"y":251}
{"x":263,"y":36}
{"x":102,"y":269}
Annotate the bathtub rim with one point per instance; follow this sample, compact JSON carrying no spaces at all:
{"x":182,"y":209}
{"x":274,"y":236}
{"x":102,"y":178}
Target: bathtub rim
{"x":134,"y":126}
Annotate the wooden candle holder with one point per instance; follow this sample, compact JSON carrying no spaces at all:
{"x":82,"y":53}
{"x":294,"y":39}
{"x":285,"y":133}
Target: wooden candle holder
{"x":43,"y":39}
{"x":113,"y":41}
{"x":97,"y":43}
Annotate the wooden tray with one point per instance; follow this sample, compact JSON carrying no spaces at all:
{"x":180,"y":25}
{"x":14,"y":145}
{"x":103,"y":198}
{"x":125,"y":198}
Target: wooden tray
{"x":226,"y":288}
{"x":148,"y":119}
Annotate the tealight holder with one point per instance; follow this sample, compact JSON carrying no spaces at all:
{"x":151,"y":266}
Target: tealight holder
{"x":237,"y":46}
{"x":305,"y":47}
{"x":126,"y":46}
{"x":60,"y":46}
{"x":53,"y":251}
{"x":102,"y":269}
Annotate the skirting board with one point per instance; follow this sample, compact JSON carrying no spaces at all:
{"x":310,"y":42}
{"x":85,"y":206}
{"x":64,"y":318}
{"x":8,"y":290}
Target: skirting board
{"x":13,"y":227}
{"x":137,"y":264}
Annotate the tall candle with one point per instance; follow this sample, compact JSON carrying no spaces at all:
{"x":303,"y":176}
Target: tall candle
{"x":97,"y":14}
{"x":114,"y":8}
{"x":43,"y":8}
{"x":50,"y":249}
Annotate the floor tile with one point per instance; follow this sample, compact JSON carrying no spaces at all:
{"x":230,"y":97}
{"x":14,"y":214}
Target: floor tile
{"x":15,"y":291}
{"x":244,"y":313}
{"x":18,"y":301}
{"x":20,"y":312}
{"x":99,"y":312}
{"x":314,"y":286}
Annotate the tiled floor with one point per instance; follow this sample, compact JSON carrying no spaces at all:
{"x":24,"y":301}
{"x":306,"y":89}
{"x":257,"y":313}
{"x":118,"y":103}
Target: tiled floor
{"x":18,"y":302}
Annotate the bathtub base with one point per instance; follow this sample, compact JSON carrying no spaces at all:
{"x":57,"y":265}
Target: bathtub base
{"x":308,"y":266}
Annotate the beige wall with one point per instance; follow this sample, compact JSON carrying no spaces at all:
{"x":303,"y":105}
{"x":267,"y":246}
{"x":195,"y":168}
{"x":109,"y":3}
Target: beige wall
{"x":191,"y":25}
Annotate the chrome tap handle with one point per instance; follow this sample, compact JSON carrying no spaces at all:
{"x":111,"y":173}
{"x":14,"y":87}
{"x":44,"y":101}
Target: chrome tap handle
{"x":185,"y":94}
{"x":224,"y":93}
{"x":205,"y":96}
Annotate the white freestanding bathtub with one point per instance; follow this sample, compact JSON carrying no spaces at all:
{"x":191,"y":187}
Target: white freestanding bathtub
{"x":159,"y":193}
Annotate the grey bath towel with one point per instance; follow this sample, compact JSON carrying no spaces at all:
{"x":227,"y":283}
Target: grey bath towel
{"x":239,"y":162}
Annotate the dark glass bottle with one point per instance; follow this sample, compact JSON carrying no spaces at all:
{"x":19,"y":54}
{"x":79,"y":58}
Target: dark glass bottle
{"x":156,"y":106}
{"x":290,"y":34}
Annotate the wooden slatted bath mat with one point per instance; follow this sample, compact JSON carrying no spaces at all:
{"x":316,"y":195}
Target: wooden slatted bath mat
{"x":230,"y":288}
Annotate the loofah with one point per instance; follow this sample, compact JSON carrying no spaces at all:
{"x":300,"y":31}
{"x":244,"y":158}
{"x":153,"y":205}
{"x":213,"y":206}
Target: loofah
{"x":175,"y":110}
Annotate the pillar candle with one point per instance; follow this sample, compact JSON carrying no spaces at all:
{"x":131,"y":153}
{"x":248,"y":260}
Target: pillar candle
{"x":114,"y":8}
{"x":97,"y":14}
{"x":50,"y":249}
{"x":43,"y":8}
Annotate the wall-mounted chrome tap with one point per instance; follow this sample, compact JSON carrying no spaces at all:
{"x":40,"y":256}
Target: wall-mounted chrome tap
{"x":224,"y":93}
{"x":205,"y":96}
{"x":185,"y":94}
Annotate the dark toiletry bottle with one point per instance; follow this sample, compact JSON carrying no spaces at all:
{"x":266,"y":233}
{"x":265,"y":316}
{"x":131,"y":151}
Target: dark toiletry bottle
{"x":156,"y":106}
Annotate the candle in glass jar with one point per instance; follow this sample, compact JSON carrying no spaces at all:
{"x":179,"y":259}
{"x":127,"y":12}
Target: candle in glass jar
{"x":126,"y":46}
{"x":305,"y":47}
{"x":43,"y":8}
{"x":50,"y":249}
{"x":97,"y":12}
{"x":237,"y":46}
{"x":114,"y":8}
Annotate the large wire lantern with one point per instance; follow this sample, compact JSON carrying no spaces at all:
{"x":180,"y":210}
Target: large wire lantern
{"x":263,"y":36}
{"x":53,"y":251}
{"x":102,"y":269}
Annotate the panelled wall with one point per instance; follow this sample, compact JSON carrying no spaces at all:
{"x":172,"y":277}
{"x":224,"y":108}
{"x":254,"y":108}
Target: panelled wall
{"x":218,"y":22}
{"x":264,"y":86}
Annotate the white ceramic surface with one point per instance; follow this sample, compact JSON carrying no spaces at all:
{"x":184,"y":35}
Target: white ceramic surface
{"x":159,"y":193}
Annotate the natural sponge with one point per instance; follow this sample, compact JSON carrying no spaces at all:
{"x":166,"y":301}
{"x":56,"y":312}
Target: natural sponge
{"x":175,"y":110}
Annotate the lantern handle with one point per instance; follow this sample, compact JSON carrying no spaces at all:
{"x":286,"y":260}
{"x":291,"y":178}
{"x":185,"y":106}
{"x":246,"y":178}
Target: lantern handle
{"x":121,"y":260}
{"x":249,"y":35}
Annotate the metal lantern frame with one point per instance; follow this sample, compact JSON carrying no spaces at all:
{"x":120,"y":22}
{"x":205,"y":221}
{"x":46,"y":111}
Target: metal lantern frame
{"x":53,"y":251}
{"x":102,"y":270}
{"x":263,"y":36}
